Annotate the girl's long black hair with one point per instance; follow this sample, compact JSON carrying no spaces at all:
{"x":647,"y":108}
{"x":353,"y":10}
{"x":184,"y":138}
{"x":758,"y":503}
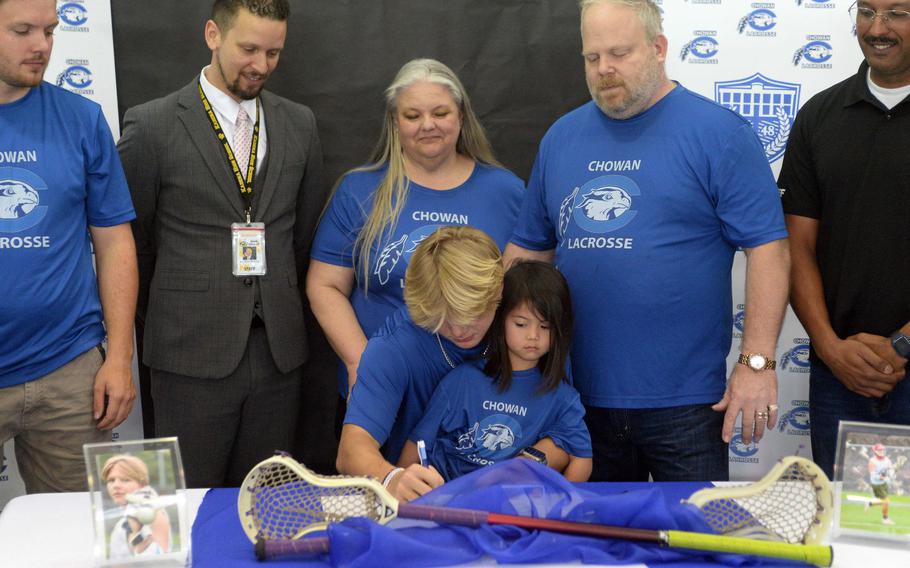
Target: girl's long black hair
{"x":544,"y":289}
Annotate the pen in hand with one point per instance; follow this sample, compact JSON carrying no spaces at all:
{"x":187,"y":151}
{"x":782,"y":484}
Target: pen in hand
{"x":422,"y":452}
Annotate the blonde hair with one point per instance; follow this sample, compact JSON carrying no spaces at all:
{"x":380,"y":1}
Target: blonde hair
{"x":647,"y":10}
{"x":392,"y":192}
{"x":134,"y":467}
{"x":454,"y":276}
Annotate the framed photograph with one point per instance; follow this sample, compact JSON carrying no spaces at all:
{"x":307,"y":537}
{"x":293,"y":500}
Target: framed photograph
{"x":138,"y":494}
{"x":872,"y":481}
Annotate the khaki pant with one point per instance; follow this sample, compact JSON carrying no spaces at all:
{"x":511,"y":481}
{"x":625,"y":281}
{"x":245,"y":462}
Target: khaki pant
{"x":49,"y":419}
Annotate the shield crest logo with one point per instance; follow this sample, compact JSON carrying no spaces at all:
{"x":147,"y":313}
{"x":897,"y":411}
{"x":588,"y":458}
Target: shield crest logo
{"x":769,"y":105}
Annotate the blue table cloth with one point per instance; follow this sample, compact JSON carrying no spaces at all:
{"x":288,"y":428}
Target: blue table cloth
{"x":517,"y":486}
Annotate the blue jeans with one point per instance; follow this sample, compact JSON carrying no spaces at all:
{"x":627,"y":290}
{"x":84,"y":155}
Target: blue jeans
{"x":679,"y":443}
{"x":830,"y":402}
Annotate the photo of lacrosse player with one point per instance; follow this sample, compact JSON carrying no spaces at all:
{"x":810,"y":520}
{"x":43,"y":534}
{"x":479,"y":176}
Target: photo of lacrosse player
{"x":875,"y":489}
{"x":138,"y":519}
{"x":881,"y":470}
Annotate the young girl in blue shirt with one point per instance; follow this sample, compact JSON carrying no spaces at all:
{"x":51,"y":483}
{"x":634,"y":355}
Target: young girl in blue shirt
{"x":517,"y":400}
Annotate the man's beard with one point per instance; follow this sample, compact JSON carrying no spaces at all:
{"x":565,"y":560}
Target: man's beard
{"x":247,"y":94}
{"x":234,"y":87}
{"x":638,"y":96}
{"x":21,"y":81}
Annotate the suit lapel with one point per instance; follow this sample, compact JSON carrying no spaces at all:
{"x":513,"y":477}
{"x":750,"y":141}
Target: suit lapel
{"x":199,"y":128}
{"x":277,"y":131}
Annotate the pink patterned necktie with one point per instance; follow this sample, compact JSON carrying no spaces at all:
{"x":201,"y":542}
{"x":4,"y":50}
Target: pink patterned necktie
{"x":243,"y":139}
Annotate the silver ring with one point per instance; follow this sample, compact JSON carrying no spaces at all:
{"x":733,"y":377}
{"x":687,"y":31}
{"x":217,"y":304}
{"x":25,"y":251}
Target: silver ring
{"x":761,"y":415}
{"x":772,"y":407}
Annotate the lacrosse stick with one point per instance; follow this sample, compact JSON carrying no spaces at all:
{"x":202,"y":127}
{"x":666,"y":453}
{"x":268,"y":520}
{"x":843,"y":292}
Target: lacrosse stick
{"x":895,"y":467}
{"x":280,"y":501}
{"x":142,"y":504}
{"x":792,"y":503}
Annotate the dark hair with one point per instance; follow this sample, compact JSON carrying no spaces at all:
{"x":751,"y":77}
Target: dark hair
{"x":545,"y":290}
{"x":225,"y":11}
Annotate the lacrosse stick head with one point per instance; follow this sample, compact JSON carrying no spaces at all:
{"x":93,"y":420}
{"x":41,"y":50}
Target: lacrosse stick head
{"x":282,"y":499}
{"x":793,"y":503}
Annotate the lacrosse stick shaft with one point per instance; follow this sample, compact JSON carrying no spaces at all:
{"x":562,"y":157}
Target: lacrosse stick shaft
{"x":268,"y":549}
{"x":817,"y":554}
{"x":812,"y":554}
{"x":472,"y":518}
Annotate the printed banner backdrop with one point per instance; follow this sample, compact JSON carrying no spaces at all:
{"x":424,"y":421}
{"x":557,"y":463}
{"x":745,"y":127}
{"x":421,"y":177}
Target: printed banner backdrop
{"x":764,"y":60}
{"x":82,"y":62}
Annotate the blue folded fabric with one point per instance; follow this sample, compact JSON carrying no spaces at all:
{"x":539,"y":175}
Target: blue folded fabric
{"x":519,"y":487}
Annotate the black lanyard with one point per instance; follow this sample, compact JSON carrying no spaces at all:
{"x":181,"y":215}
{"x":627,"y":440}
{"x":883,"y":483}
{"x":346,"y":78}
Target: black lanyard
{"x":244,"y":183}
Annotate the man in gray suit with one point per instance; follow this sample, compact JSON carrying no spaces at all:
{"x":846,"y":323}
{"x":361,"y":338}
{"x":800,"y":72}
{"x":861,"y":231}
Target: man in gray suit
{"x":215,"y":168}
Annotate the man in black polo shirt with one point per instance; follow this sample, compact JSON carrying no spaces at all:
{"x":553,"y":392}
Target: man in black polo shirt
{"x":846,"y":194}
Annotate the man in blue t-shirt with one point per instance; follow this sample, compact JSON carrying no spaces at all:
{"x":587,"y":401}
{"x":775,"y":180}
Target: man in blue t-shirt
{"x":62,"y":193}
{"x":642,"y":197}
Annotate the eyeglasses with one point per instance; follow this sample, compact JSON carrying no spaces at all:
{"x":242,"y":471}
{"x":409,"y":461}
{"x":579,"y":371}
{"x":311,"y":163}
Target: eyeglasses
{"x":863,"y":16}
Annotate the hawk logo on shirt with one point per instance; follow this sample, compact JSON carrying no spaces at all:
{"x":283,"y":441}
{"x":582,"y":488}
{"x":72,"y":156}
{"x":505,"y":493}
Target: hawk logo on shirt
{"x":17,"y":199}
{"x":20,"y":200}
{"x":466,"y":440}
{"x":496,"y":437}
{"x":421,"y":237}
{"x":565,"y":211}
{"x":393,"y":252}
{"x":389,"y":258}
{"x":604,"y":204}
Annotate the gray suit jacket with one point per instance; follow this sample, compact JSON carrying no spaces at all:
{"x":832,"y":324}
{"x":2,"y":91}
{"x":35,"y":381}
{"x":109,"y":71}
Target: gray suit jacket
{"x":196,"y":313}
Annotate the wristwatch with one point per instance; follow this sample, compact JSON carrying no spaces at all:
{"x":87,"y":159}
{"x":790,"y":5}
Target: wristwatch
{"x":901,"y":344}
{"x":757,"y":361}
{"x":534,"y":454}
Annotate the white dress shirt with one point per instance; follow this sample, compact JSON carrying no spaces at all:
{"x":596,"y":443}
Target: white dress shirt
{"x":226,"y":110}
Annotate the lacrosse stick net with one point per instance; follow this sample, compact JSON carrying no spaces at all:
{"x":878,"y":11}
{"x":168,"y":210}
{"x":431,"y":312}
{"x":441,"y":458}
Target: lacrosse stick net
{"x":793,"y":503}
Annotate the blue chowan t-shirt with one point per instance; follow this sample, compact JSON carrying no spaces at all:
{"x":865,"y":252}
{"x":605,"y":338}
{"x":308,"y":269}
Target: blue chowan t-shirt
{"x":59,"y":174}
{"x":488,"y":200}
{"x":398,"y":372}
{"x":644,"y":216}
{"x":469,"y":423}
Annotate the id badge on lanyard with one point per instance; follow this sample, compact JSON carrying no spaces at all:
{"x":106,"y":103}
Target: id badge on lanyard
{"x":248,"y":249}
{"x":247,"y":239}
